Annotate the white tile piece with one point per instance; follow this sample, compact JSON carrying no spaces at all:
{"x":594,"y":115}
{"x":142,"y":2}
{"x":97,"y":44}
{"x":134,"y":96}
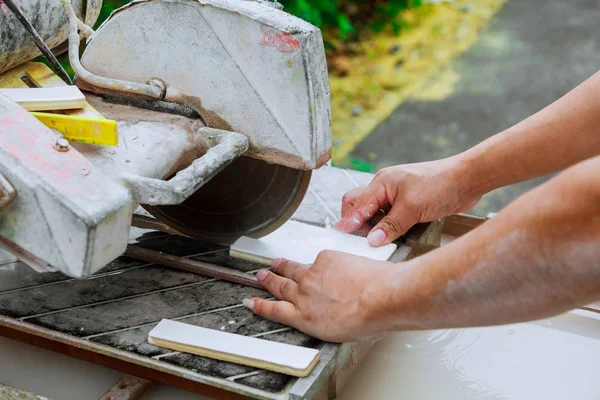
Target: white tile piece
{"x":260,"y":353}
{"x":47,"y":99}
{"x":302,"y":243}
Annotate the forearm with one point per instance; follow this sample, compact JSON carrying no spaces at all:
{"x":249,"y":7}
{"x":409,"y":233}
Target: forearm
{"x":560,"y":135}
{"x":537,"y":258}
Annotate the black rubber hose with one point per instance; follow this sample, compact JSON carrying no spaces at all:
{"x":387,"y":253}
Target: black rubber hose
{"x":39,"y":42}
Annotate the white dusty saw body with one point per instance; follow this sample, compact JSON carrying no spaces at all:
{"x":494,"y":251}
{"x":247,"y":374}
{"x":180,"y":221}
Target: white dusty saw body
{"x":222,"y":109}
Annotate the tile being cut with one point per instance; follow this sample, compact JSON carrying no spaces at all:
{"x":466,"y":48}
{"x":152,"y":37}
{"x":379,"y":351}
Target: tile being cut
{"x":303,"y":242}
{"x":273,"y":356}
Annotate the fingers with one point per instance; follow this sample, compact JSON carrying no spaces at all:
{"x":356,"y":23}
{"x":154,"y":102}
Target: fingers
{"x":363,"y":230}
{"x":365,"y":207}
{"x":283,"y":284}
{"x":350,"y":198}
{"x":348,"y":203}
{"x":289,"y":269}
{"x":278,"y":311}
{"x":392,"y":226}
{"x":279,"y":286}
{"x":366,"y":228}
{"x":283,"y":287}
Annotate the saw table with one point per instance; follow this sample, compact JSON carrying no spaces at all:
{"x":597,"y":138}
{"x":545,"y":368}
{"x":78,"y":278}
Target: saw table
{"x":105,"y":318}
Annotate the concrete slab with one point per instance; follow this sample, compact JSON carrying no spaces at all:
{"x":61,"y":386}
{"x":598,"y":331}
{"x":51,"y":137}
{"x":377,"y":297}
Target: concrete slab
{"x":533,"y":52}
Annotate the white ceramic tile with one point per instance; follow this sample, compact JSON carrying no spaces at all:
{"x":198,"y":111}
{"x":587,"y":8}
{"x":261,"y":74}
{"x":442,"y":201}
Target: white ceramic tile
{"x":46,"y":99}
{"x":302,"y":243}
{"x":260,"y":353}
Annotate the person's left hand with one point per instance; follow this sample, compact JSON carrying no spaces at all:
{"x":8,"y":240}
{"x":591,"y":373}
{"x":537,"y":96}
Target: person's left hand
{"x":333,"y":299}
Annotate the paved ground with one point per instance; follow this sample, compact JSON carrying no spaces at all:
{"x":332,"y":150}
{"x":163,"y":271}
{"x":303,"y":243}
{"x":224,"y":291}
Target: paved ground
{"x":533,"y":52}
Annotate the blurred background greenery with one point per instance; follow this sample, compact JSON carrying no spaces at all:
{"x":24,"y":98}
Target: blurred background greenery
{"x":346,"y":18}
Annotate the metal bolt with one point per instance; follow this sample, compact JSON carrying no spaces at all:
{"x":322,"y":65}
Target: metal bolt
{"x":61,"y":144}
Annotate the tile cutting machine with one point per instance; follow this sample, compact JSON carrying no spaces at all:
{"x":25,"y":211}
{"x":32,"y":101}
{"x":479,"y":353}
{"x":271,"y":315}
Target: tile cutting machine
{"x":222,"y":110}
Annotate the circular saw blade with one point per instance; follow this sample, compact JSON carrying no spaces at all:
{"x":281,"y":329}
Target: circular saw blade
{"x":248,"y":198}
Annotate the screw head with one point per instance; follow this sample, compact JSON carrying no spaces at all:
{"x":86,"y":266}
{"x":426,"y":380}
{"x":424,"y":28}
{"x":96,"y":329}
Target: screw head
{"x":61,"y":144}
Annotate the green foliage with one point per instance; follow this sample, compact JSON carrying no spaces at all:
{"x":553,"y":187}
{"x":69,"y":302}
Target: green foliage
{"x":356,"y":164}
{"x":346,"y":17}
{"x":322,"y":13}
{"x":108,"y":6}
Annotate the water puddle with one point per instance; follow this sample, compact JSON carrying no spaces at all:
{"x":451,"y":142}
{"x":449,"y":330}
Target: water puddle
{"x":551,"y":359}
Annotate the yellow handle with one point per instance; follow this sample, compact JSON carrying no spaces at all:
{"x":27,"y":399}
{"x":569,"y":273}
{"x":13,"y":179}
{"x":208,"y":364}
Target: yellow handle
{"x":98,"y":131}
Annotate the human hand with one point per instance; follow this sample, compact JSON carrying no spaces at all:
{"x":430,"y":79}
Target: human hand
{"x":333,"y":299}
{"x":410,"y":194}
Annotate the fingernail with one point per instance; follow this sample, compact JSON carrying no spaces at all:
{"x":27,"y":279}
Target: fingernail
{"x":376,"y":237}
{"x":276,"y":263}
{"x":248,"y":303}
{"x":262,"y":275}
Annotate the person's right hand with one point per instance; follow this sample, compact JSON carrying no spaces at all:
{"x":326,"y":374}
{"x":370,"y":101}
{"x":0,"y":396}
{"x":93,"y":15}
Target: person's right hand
{"x":409,"y":194}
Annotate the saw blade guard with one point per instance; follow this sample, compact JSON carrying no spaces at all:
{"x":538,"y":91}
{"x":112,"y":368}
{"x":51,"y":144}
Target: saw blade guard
{"x":244,"y":66}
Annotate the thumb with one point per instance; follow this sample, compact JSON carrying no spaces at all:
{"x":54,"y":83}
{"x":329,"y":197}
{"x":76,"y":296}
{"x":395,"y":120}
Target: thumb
{"x":391,"y":227}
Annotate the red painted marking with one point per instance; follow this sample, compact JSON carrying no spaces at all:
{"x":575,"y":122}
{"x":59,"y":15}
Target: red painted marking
{"x":281,"y":41}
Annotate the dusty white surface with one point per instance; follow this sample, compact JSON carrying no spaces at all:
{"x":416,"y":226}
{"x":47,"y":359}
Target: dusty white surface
{"x":302,"y":243}
{"x":6,"y":257}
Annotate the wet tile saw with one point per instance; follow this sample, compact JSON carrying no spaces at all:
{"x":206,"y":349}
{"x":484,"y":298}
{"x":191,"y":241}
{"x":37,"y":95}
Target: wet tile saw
{"x":222,"y":110}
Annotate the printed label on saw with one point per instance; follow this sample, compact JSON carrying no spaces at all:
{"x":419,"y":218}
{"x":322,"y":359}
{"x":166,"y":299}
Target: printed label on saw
{"x":281,"y":41}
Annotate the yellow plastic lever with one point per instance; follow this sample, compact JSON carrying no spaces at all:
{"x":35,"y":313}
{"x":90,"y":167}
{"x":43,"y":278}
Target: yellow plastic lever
{"x":82,"y":129}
